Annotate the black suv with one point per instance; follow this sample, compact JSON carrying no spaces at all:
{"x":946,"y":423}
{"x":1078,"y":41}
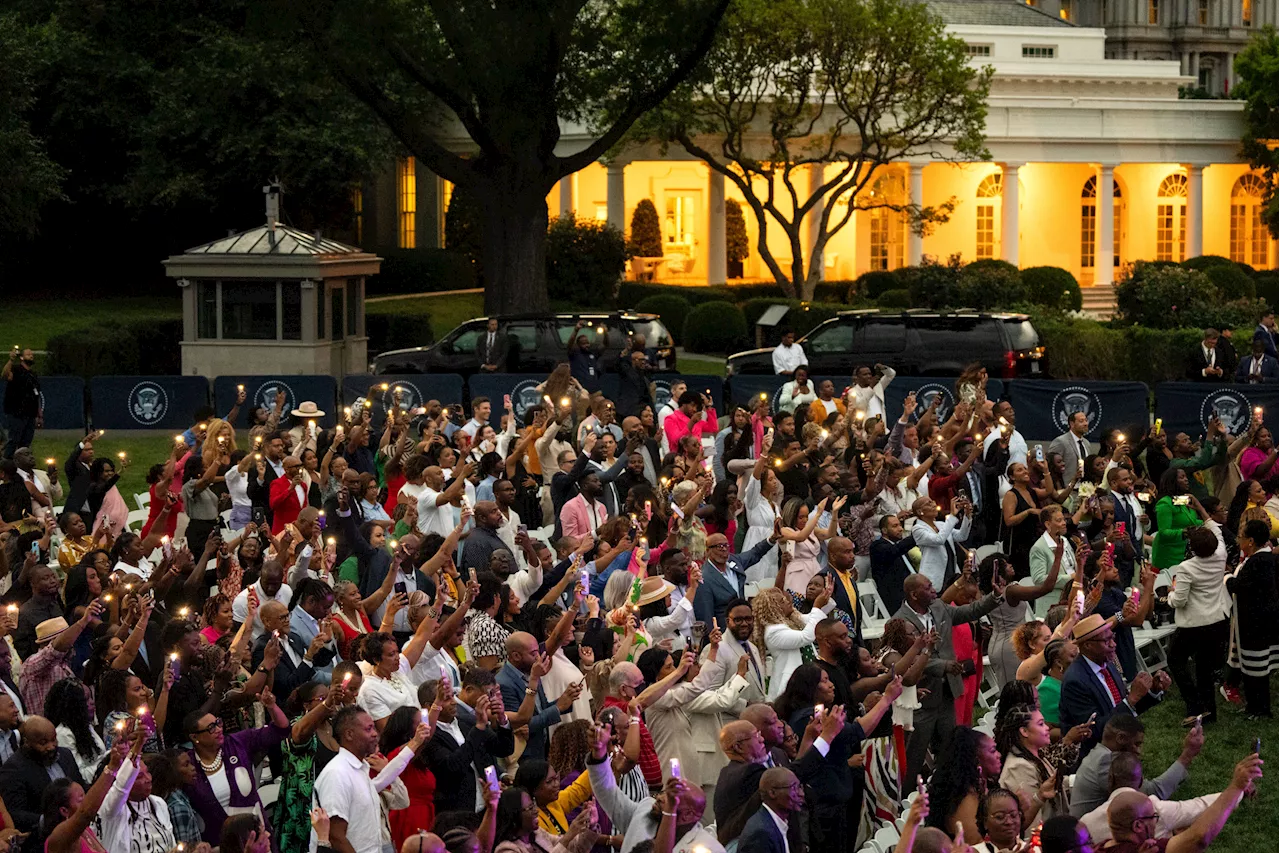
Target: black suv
{"x":536,"y":343}
{"x":914,"y":343}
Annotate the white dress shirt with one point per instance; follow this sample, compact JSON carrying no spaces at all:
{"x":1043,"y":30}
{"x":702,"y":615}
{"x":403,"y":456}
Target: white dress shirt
{"x":787,"y":358}
{"x":240,"y":607}
{"x":345,"y":790}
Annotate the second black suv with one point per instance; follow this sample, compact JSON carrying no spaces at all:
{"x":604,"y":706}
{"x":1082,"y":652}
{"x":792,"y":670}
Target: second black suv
{"x":536,"y":343}
{"x":914,"y":343}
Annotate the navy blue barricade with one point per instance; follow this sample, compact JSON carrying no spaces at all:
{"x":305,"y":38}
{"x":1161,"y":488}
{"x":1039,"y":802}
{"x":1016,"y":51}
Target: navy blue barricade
{"x":262,"y":390}
{"x":1187,"y":406}
{"x":701,"y":384}
{"x":415,"y":389}
{"x":523,"y":388}
{"x":62,"y":398}
{"x":744,"y":387}
{"x":926,"y":388}
{"x":147,"y":402}
{"x":1043,"y":406}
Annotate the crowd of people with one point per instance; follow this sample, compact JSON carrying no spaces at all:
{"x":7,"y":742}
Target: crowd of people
{"x":626,"y":625}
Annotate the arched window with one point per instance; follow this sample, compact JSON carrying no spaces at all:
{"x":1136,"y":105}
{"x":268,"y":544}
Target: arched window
{"x":1089,"y":224}
{"x":888,"y":226}
{"x":1249,"y":236}
{"x":990,"y":191}
{"x":1171,"y":218}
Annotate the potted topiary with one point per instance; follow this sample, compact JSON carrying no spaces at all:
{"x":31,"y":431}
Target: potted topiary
{"x":645,"y":245}
{"x":735,"y":238}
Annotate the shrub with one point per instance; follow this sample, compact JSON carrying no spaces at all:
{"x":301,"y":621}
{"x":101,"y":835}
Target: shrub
{"x":931,"y":283}
{"x":1204,"y":262}
{"x":585,"y":260}
{"x":1237,"y":314}
{"x":140,"y":348}
{"x":672,"y":309}
{"x":840,"y":290}
{"x":1265,"y":286}
{"x":715,"y":327}
{"x":1232,"y":282}
{"x":736,"y":245}
{"x":631,"y":292}
{"x":422,"y":271}
{"x":1160,"y":296}
{"x":646,"y":231}
{"x":801,"y":319}
{"x":1087,"y":349}
{"x":876,"y":282}
{"x":985,"y":285}
{"x":1053,"y":287}
{"x":895,"y":299}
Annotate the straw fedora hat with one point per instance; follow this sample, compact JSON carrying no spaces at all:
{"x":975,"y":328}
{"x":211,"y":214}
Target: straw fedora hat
{"x":1088,"y":626}
{"x":654,"y":589}
{"x":307,"y":409}
{"x":50,"y":628}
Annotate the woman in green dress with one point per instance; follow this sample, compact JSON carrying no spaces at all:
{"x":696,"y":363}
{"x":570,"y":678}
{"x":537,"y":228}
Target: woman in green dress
{"x":1176,"y":511}
{"x":306,"y":752}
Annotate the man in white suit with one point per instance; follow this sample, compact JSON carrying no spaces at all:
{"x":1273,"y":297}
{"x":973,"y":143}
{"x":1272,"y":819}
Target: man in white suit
{"x":734,"y":645}
{"x":1072,"y":444}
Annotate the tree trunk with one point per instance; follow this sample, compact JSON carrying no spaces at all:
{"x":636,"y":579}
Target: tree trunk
{"x":514,"y":227}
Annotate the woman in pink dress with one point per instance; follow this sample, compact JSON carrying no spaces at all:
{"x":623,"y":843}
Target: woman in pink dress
{"x":1258,"y":461}
{"x":217,"y":617}
{"x":800,"y":526}
{"x":967,"y":644}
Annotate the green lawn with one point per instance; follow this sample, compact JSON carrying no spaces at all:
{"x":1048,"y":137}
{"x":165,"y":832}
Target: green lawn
{"x":705,"y":366}
{"x":447,"y":310}
{"x":143,"y":450}
{"x":1253,"y":827}
{"x":31,"y":324}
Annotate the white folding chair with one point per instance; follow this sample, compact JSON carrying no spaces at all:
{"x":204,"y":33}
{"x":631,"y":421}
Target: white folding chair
{"x":887,"y":837}
{"x":143,"y":500}
{"x":871,"y":600}
{"x":136,"y":519}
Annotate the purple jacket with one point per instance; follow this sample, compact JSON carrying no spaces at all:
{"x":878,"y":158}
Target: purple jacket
{"x":237,"y":755}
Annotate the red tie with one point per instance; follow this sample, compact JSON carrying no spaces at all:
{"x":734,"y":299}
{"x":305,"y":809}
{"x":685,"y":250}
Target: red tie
{"x":1111,"y":684}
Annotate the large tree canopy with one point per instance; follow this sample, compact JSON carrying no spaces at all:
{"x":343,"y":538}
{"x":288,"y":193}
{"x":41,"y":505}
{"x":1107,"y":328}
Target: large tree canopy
{"x":1258,"y":67}
{"x":849,"y":86}
{"x":477,"y":90}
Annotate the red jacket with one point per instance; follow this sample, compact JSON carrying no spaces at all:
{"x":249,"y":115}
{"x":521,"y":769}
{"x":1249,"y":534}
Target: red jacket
{"x":285,"y":505}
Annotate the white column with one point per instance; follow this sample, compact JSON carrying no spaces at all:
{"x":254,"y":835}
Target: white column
{"x":1102,"y":257}
{"x":1195,"y":210}
{"x":813,"y":221}
{"x":915,"y":190}
{"x":616,"y":196}
{"x":717,"y":265}
{"x":567,"y":206}
{"x":1009,"y":213}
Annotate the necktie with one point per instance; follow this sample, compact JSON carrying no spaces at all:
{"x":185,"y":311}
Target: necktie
{"x":1084,"y":452}
{"x":746,"y":650}
{"x":1111,"y":685}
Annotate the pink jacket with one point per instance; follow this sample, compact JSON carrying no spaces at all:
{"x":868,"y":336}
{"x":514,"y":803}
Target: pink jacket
{"x":575,"y":518}
{"x":677,"y":426}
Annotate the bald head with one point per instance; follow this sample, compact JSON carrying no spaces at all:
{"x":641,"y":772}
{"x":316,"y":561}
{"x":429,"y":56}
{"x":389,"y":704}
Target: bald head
{"x":423,"y":842}
{"x":275,"y":617}
{"x":35,"y":726}
{"x":630,"y":424}
{"x":1127,"y":807}
{"x":39,"y":740}
{"x":930,"y":839}
{"x":734,"y":735}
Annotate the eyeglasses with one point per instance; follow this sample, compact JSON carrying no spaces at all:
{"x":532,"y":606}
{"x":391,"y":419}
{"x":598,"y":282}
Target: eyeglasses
{"x":721,"y":545}
{"x":214,"y":726}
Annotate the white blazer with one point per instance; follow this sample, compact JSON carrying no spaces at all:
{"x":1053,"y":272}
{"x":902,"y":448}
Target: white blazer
{"x":783,"y":644}
{"x":1199,"y":595}
{"x":933,"y":554}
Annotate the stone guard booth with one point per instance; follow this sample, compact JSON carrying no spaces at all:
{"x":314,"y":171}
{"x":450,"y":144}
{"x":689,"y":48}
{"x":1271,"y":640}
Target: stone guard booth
{"x":273,"y":299}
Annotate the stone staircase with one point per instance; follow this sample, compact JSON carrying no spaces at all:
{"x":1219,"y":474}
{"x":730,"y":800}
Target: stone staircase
{"x":1099,"y":300}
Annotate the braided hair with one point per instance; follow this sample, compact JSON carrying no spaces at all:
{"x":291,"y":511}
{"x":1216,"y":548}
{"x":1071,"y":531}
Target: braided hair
{"x":1009,"y":738}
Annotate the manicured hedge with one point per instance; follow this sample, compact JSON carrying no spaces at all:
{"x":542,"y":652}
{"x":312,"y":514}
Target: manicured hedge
{"x":672,"y":309}
{"x":141,"y":348}
{"x":715,"y":327}
{"x":896,"y":299}
{"x":1087,"y":349}
{"x":1053,"y":287}
{"x":801,"y":319}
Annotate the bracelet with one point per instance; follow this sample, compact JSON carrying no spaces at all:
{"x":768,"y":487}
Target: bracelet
{"x":668,"y":814}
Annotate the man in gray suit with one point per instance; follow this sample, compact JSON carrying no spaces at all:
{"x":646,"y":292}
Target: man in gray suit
{"x":936,"y":717}
{"x":736,"y":643}
{"x":1072,"y":444}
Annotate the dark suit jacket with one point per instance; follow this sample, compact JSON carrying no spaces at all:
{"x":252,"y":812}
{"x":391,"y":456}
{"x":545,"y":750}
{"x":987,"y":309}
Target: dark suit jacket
{"x":889,"y":571}
{"x":633,"y":389}
{"x":77,"y":481}
{"x":761,"y":834}
{"x":495,"y":355}
{"x":1083,"y":694}
{"x":1246,"y":364}
{"x":944,"y":617}
{"x":455,"y":765}
{"x":853,"y":608}
{"x":717,"y":591}
{"x":23,"y":782}
{"x":739,"y":780}
{"x":151,"y":670}
{"x":289,"y":677}
{"x":259,"y":491}
{"x":1196,"y":363}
